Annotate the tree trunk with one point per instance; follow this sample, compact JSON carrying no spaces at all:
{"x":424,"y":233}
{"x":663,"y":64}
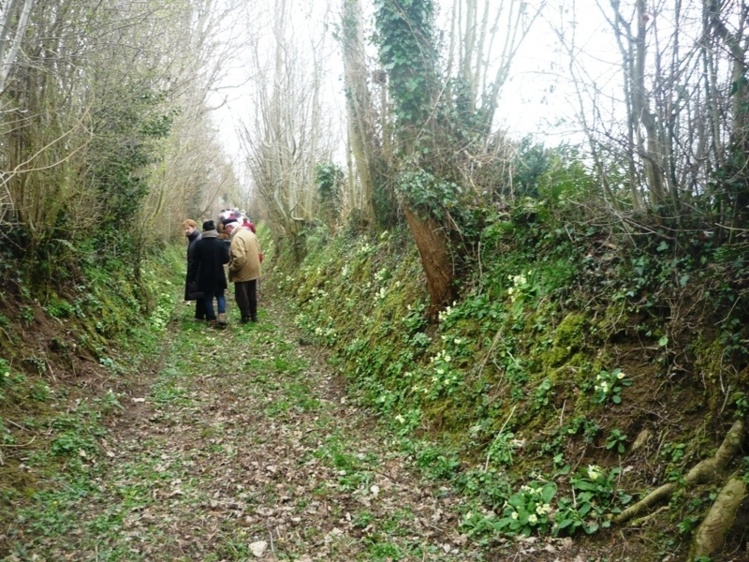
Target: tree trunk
{"x":651,"y":152}
{"x":434,"y":252}
{"x":359,"y":105}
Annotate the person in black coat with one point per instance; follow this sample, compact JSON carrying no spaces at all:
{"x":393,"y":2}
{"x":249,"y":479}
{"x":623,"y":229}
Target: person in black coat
{"x":191,"y":291}
{"x":210,"y":256}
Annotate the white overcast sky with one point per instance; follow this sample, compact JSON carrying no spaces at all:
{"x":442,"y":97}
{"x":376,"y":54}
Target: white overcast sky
{"x":537,"y":96}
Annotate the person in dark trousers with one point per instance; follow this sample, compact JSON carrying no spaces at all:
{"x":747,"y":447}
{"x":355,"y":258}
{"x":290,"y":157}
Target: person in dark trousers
{"x":244,"y":268}
{"x":210,"y":256}
{"x":190,"y":228}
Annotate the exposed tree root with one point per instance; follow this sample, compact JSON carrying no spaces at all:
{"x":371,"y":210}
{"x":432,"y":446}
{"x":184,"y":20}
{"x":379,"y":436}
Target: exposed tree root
{"x":707,"y":470}
{"x":712,"y":532}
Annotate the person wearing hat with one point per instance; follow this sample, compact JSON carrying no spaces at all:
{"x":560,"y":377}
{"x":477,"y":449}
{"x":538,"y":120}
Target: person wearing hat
{"x":210,"y":256}
{"x":244,"y":268}
{"x":190,"y":228}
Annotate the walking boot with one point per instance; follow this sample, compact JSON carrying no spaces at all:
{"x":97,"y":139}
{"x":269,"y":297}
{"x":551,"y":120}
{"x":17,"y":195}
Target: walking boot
{"x":221,"y":322}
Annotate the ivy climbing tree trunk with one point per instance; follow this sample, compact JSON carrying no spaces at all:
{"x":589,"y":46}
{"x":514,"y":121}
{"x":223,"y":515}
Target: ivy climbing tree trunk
{"x":408,"y":53}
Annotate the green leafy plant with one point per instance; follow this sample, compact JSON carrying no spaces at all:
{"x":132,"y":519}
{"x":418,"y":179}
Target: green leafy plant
{"x":609,"y":386}
{"x":490,"y":486}
{"x":673,"y":452}
{"x":40,"y":391}
{"x":435,"y":463}
{"x":542,"y":394}
{"x":58,"y":308}
{"x":741,"y":402}
{"x":616,"y":441}
{"x":529,"y":510}
{"x":26,"y":313}
{"x":109,"y":402}
{"x":687,"y":525}
{"x":596,"y":496}
{"x":502,"y":448}
{"x":72,"y":442}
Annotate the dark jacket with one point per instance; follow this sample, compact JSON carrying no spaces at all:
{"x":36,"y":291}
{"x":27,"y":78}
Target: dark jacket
{"x":210,"y":256}
{"x":192,"y":240}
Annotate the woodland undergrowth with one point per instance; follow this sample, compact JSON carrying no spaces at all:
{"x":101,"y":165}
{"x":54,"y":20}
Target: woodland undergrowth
{"x":64,"y":348}
{"x":583,"y":365}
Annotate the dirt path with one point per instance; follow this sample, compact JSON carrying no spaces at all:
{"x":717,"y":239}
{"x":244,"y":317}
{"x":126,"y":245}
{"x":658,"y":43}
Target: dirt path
{"x":244,"y":446}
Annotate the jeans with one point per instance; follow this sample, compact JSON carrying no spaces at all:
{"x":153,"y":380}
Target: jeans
{"x":208,"y":303}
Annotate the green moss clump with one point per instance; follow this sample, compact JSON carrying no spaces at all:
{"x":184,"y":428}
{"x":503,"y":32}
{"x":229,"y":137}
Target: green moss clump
{"x":569,"y":338}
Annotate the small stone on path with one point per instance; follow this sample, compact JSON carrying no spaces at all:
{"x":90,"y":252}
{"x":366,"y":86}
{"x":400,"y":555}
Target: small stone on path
{"x":258,"y":548}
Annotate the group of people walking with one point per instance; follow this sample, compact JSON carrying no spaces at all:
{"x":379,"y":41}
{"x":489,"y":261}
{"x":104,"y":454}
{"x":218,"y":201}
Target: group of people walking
{"x":207,"y":254}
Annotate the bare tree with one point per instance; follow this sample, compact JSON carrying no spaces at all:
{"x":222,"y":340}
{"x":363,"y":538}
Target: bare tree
{"x":14,"y":18}
{"x":288,"y":132}
{"x":484,"y":39}
{"x":681,"y":65}
{"x":362,"y":116}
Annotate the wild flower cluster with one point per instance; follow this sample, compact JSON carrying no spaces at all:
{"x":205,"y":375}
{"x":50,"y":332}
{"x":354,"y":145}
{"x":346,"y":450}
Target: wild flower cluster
{"x":595,"y":472}
{"x":610,"y":385}
{"x":519,"y":286}
{"x":326,"y":335}
{"x":317,"y":293}
{"x":162,"y":313}
{"x":444,"y":376}
{"x":597,"y":496}
{"x":365,"y":249}
{"x":529,"y":509}
{"x":445,"y":314}
{"x":381,"y":274}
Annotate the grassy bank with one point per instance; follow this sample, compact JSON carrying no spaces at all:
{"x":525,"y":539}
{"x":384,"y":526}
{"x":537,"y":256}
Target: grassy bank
{"x":578,"y":370}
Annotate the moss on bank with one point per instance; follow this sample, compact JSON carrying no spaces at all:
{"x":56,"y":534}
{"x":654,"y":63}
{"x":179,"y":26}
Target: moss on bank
{"x":563,"y":351}
{"x":63,"y":353}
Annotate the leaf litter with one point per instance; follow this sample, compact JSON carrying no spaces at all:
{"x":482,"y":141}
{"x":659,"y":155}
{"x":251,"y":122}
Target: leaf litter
{"x":244,"y":446}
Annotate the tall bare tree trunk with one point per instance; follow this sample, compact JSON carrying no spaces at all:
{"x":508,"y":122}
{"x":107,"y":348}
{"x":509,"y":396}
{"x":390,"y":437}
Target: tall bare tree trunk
{"x":8,"y":19}
{"x":359,"y":106}
{"x":650,"y":145}
{"x":736,"y":179}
